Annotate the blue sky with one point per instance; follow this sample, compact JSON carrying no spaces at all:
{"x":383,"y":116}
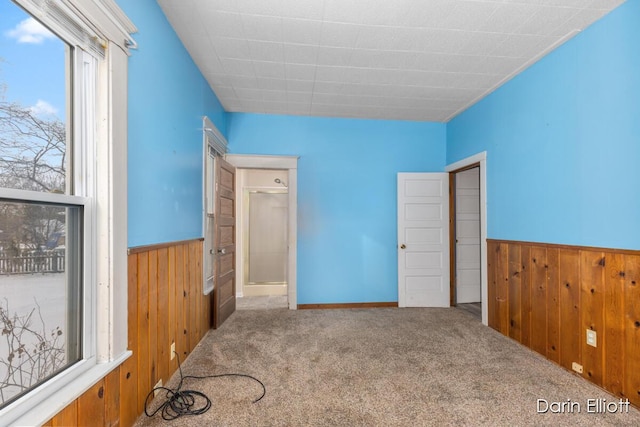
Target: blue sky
{"x":32,"y":62}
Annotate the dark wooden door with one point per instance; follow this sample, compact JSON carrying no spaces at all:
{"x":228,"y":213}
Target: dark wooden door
{"x":224,"y":293}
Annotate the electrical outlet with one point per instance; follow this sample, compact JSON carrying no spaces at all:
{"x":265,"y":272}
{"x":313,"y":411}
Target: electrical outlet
{"x":576,"y":367}
{"x":592,"y":338}
{"x":173,"y":351}
{"x":156,"y":390}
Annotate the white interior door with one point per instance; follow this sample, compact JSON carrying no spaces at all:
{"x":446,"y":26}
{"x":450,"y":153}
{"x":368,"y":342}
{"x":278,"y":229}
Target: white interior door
{"x":468,"y":236}
{"x":423,"y":240}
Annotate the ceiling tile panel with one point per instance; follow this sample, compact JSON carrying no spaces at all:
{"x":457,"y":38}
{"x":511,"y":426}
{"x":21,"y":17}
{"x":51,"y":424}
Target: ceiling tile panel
{"x":231,"y":48}
{"x":252,"y":105}
{"x":328,"y":87}
{"x":267,"y":83}
{"x":224,"y":91}
{"x":298,"y":109}
{"x":428,"y":61}
{"x":260,"y":7}
{"x":238,"y":67}
{"x":301,"y":31}
{"x":391,"y":38}
{"x":387,"y":59}
{"x":217,"y":79}
{"x":205,"y":7}
{"x":377,"y":76}
{"x":464,"y":63}
{"x":223,"y":24}
{"x":349,"y":12}
{"x":300,"y":71}
{"x":443,"y":41}
{"x":329,"y":98}
{"x":270,"y":70}
{"x":265,"y":28}
{"x":427,"y":14}
{"x":355,"y":75}
{"x":546,"y":20}
{"x":266,"y":51}
{"x":300,"y":53}
{"x":498,"y":65}
{"x":475,"y":81}
{"x":508,"y":17}
{"x":482,"y":43}
{"x":302,"y":9}
{"x":520,"y":46}
{"x":300,"y":85}
{"x":299,"y":97}
{"x":339,"y":34}
{"x":469,"y":15}
{"x":236,"y":81}
{"x":274,"y":96}
{"x":335,"y":56}
{"x":242,"y":93}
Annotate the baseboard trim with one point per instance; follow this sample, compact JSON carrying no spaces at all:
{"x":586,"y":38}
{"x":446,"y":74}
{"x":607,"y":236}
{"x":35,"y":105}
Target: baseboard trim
{"x":393,"y":304}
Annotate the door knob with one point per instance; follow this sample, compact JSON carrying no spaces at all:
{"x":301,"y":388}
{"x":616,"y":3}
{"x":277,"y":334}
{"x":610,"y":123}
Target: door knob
{"x":222,"y":251}
{"x":403,"y":246}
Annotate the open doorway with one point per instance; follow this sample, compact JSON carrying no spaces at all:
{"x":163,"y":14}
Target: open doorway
{"x":263,"y":229}
{"x":465,"y":261}
{"x":266,"y":230}
{"x":468,"y":235}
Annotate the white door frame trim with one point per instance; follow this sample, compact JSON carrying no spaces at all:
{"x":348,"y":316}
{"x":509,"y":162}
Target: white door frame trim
{"x":480,"y":158}
{"x":290,"y":163}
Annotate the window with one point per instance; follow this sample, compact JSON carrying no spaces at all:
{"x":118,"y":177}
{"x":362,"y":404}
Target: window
{"x":62,"y":262}
{"x":41,"y":215}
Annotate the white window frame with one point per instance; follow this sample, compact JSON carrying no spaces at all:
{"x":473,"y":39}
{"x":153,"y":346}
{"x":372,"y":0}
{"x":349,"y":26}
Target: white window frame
{"x":99,"y":32}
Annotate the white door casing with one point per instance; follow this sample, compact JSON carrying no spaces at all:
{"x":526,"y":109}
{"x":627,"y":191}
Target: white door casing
{"x":468,"y":236}
{"x":481,"y":159}
{"x":290,"y":163}
{"x":423,"y":240}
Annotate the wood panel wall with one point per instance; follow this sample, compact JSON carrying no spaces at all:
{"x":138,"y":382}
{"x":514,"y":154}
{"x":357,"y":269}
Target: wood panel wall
{"x":166,"y":306}
{"x":547,"y":296}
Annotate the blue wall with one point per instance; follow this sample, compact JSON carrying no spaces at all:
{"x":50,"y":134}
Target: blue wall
{"x":563,"y":141}
{"x":346,"y":195}
{"x":167,"y":98}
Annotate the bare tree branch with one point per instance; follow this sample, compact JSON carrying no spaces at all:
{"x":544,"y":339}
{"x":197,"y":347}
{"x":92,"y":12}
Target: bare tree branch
{"x":32,"y":149}
{"x":32,"y":157}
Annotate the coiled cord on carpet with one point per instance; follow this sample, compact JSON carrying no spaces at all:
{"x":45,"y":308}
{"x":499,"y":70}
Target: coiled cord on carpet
{"x":185,"y":402}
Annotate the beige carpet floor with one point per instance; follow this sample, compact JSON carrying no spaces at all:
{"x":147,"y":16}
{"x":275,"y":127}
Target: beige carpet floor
{"x":379,"y":367}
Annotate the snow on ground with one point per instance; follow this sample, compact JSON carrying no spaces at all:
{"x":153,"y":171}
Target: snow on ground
{"x":21,"y":293}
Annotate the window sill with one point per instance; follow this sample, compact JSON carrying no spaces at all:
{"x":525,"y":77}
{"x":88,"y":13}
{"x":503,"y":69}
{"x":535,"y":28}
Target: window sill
{"x":43,"y":411}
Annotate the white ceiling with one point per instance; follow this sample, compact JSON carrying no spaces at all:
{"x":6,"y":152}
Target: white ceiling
{"x":424,"y":60}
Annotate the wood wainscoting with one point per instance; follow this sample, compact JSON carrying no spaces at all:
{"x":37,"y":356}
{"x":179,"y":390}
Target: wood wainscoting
{"x":166,"y":305}
{"x":547,"y":296}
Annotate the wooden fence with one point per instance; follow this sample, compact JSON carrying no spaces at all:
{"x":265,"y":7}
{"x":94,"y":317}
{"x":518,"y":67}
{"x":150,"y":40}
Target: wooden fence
{"x":43,"y":262}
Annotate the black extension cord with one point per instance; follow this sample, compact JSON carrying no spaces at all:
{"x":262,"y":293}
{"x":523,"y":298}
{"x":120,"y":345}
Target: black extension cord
{"x":185,"y":402}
